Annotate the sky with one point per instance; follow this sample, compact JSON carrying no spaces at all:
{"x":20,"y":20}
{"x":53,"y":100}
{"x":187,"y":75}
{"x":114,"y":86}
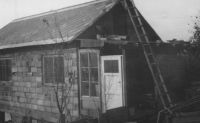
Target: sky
{"x":171,"y":19}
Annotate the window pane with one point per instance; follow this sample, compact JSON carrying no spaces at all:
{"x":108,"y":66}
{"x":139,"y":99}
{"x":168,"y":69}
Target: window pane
{"x":84,"y":59}
{"x":84,"y":74}
{"x":85,"y":89}
{"x":111,"y":66}
{"x":93,"y":60}
{"x":94,"y":74}
{"x":59,"y":69}
{"x":89,"y":73}
{"x":95,"y":90}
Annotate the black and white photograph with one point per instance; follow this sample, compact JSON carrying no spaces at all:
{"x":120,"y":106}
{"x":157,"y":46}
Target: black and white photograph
{"x":99,"y":61}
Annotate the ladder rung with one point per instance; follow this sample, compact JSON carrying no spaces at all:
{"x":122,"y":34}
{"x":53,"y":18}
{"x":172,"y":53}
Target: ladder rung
{"x":137,"y":16}
{"x":139,"y":25}
{"x":169,"y":103}
{"x":148,"y":54}
{"x":153,"y":63}
{"x":161,"y":83}
{"x":157,"y":73}
{"x":143,"y":35}
{"x":165,"y":93}
{"x":132,"y":7}
{"x":145,"y":44}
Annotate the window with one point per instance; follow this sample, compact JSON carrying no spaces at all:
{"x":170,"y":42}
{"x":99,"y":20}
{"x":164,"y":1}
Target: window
{"x":89,"y":73}
{"x":5,"y":69}
{"x":53,"y":69}
{"x":111,"y":66}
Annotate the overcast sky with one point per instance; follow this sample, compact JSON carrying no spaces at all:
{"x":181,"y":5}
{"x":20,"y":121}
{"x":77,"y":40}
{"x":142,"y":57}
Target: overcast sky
{"x":169,"y":18}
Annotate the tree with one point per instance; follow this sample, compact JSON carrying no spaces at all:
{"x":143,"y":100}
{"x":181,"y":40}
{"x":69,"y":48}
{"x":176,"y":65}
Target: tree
{"x":195,"y":38}
{"x":191,"y":55}
{"x":61,"y":90}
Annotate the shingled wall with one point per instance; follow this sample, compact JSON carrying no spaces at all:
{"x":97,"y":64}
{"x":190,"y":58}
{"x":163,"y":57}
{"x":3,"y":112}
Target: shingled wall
{"x":27,"y":95}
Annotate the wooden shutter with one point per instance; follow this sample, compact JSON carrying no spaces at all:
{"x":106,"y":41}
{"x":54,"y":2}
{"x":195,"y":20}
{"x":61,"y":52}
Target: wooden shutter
{"x":48,"y":70}
{"x":3,"y":68}
{"x":54,"y":69}
{"x":8,"y":70}
{"x":1,"y":71}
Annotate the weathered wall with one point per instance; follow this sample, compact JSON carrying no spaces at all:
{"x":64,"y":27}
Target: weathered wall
{"x":27,"y":95}
{"x":175,"y":75}
{"x":139,"y":78}
{"x":113,"y":22}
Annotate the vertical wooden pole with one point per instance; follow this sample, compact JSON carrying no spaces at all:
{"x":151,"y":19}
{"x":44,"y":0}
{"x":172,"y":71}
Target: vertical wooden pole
{"x":2,"y":117}
{"x":78,"y":82}
{"x":62,"y":118}
{"x":124,"y":75}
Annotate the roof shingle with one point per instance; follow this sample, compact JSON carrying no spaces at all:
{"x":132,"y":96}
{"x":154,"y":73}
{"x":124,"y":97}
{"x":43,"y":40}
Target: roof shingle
{"x":40,"y":29}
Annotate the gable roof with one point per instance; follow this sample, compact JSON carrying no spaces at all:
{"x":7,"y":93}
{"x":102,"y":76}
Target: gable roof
{"x":42,"y":28}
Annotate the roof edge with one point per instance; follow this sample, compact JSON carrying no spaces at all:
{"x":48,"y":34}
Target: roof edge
{"x":59,"y":10}
{"x":35,"y":43}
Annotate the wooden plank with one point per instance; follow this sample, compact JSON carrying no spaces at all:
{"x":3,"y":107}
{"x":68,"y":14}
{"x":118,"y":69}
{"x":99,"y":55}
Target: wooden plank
{"x":189,"y":114}
{"x":85,"y":120}
{"x":124,"y":76}
{"x":186,"y":119}
{"x":2,"y":117}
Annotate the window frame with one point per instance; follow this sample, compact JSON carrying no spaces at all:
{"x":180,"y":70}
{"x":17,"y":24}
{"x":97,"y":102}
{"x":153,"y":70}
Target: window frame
{"x":5,"y":58}
{"x":43,"y":70}
{"x":80,"y":73}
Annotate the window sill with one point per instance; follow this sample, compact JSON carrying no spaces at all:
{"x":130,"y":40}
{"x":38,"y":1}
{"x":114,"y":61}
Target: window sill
{"x":90,"y":98}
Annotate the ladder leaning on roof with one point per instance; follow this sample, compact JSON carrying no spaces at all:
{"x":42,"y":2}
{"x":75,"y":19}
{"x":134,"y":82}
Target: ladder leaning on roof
{"x":148,"y":52}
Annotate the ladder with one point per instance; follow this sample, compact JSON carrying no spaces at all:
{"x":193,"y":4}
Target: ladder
{"x":148,"y":52}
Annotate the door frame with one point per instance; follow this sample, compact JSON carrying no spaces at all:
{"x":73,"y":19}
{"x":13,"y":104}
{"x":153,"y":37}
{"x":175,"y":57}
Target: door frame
{"x":121,"y":70}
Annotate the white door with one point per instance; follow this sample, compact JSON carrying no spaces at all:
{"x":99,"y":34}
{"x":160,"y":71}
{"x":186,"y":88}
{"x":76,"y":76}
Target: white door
{"x":112,"y":84}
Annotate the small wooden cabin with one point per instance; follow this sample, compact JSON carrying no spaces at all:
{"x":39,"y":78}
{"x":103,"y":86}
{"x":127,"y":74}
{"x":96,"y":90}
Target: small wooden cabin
{"x":100,"y":59}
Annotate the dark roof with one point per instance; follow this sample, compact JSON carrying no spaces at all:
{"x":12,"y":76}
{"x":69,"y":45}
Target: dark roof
{"x":42,"y":28}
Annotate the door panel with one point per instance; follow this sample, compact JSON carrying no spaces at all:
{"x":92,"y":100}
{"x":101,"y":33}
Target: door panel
{"x":112,"y":84}
{"x":113,"y":91}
